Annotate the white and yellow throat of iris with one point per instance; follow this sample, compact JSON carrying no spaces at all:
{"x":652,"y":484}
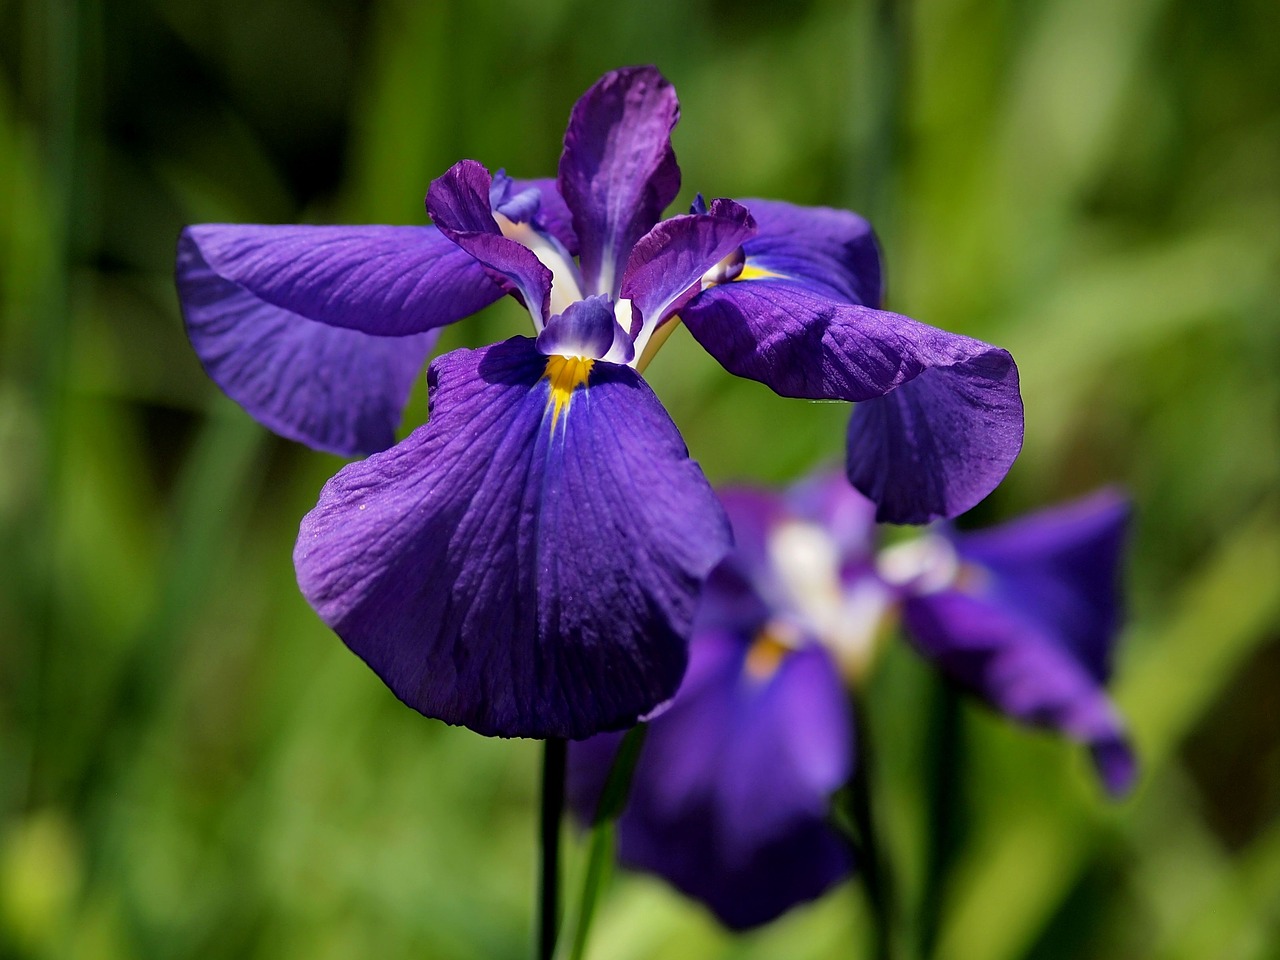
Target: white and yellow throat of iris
{"x":564,"y":376}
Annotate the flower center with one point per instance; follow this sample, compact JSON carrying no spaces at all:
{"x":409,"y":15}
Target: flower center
{"x":847,"y":616}
{"x":565,"y":284}
{"x":565,"y":374}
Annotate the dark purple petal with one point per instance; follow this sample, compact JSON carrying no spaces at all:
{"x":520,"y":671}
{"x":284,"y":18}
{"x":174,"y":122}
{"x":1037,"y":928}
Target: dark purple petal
{"x":1059,"y":568}
{"x":618,"y":171}
{"x":553,"y":214}
{"x":941,"y":418}
{"x":329,"y":387}
{"x":1021,"y":671}
{"x":388,"y":281}
{"x":833,"y":252}
{"x":587,"y":328}
{"x":731,"y":791}
{"x":459,"y":204}
{"x":667,"y":263}
{"x":523,"y":565}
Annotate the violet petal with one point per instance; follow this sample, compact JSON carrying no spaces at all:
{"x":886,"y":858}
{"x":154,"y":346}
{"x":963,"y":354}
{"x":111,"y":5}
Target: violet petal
{"x":330,"y":387}
{"x":518,"y":566}
{"x":618,"y":171}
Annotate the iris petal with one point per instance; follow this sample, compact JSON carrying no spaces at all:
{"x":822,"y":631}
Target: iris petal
{"x":730,"y":795}
{"x":940,"y":421}
{"x":1022,"y":671}
{"x":330,"y":387}
{"x":520,"y":580}
{"x":1061,"y":569}
{"x":387,"y":281}
{"x":458,"y":202}
{"x":618,"y":171}
{"x":833,"y":252}
{"x":668,"y":262}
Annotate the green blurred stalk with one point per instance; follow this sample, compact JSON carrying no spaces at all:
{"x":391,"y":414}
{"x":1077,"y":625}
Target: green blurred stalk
{"x":603,"y":836}
{"x":52,"y":30}
{"x":877,"y":875}
{"x":554,"y":759}
{"x":942,"y":830}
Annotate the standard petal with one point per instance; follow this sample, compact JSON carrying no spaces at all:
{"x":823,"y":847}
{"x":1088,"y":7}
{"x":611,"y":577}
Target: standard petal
{"x":940,"y":421}
{"x":459,"y":204}
{"x":1061,"y":569}
{"x":668,"y":262}
{"x":618,"y":171}
{"x":332,"y":388}
{"x":833,"y":252}
{"x":1021,"y":671}
{"x":525,"y":564}
{"x":388,"y":281}
{"x":730,"y":794}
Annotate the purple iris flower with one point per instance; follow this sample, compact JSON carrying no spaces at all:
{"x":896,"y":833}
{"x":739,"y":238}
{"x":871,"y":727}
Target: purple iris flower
{"x":730,"y":796}
{"x":528,"y":562}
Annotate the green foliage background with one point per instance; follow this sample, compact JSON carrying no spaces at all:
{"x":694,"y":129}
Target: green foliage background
{"x":191,"y":766}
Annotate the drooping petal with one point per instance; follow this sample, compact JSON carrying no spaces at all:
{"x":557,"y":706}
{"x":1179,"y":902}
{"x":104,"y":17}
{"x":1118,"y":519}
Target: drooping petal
{"x":459,"y":204}
{"x":388,"y":281}
{"x":940,"y":421}
{"x":730,"y":794}
{"x":832,"y":252}
{"x":618,"y":171}
{"x":667,"y":263}
{"x":527,"y":563}
{"x":332,"y":388}
{"x":1061,"y":569}
{"x":1012,"y":664}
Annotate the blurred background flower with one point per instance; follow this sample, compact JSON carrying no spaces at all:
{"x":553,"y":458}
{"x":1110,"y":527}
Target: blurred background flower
{"x":191,"y":766}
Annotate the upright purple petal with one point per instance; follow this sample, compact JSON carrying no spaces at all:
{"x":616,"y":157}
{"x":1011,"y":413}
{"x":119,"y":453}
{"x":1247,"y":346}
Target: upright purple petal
{"x":1022,"y":671}
{"x":668,"y":262}
{"x":330,"y":387}
{"x":832,"y":252}
{"x":527,"y":563}
{"x":940,"y":418}
{"x":730,"y":795}
{"x":388,"y":281}
{"x":459,"y":204}
{"x":618,"y":171}
{"x":1061,"y":569}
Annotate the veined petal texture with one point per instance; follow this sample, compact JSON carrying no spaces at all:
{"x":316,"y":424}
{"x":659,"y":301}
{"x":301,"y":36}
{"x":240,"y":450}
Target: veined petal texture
{"x":387,"y":281}
{"x":331,"y":387}
{"x":939,"y":420}
{"x":832,"y":252}
{"x":526,"y":563}
{"x":618,"y":171}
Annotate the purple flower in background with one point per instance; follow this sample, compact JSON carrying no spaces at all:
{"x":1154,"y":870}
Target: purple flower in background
{"x":730,"y":796}
{"x":528,"y":562}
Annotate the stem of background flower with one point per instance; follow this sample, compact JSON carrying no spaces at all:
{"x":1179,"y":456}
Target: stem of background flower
{"x":554,"y":754}
{"x":945,"y":816}
{"x":601,"y":848}
{"x":877,"y":879}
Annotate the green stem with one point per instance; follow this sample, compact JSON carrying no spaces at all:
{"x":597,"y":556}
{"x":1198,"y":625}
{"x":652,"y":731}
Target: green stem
{"x":877,"y":880}
{"x":603,"y":831}
{"x":554,"y":755}
{"x":943,"y":829}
